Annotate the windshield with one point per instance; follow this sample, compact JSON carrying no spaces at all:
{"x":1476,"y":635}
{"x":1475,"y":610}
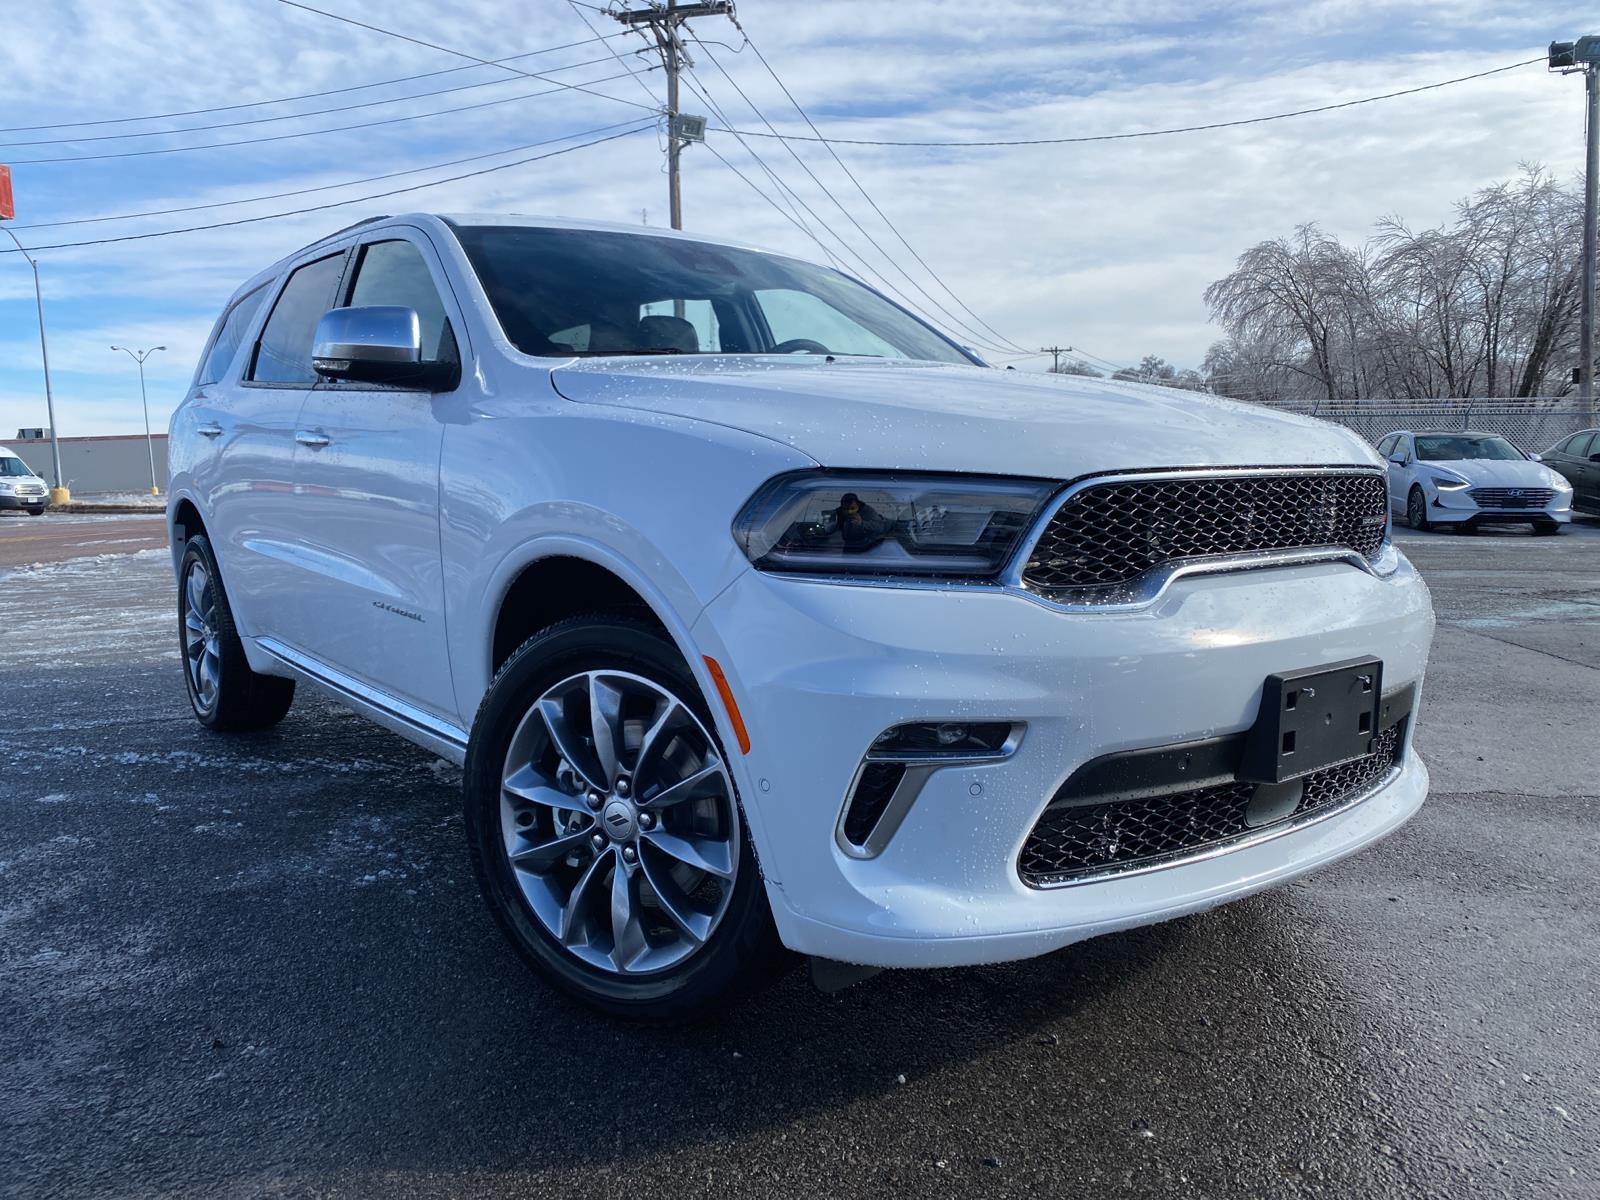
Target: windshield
{"x":13,"y":466}
{"x":1446,"y":447}
{"x":560,"y":292}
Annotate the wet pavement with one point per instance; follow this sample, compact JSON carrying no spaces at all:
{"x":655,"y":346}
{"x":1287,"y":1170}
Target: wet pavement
{"x":259,"y":966}
{"x":60,"y":537}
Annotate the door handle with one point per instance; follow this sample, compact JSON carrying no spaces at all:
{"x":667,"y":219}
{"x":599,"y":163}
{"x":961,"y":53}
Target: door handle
{"x":307,"y":437}
{"x":209,"y":430}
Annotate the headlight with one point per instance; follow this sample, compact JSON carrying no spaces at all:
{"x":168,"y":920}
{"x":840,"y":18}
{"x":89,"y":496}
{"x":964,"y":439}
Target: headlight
{"x":1560,"y":483}
{"x":835,"y":523}
{"x":7,"y":489}
{"x":1446,"y":484}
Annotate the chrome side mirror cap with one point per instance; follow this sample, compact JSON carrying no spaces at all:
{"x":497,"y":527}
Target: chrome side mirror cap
{"x":377,"y":343}
{"x":1537,"y":457}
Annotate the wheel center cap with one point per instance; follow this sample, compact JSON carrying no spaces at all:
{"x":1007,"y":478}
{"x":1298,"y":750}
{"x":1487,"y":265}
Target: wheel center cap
{"x":619,"y":821}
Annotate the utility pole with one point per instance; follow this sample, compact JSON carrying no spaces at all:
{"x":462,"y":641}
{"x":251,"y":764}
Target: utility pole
{"x":1566,"y":57}
{"x":1055,"y":353}
{"x":665,"y":21}
{"x":1591,"y":168}
{"x":139,"y":356}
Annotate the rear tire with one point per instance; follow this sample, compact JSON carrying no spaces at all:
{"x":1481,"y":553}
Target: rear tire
{"x":1417,"y":511}
{"x":225,"y":694}
{"x":595,"y":903}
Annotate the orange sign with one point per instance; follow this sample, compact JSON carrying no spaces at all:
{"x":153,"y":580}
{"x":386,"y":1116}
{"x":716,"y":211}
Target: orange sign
{"x":8,"y":208}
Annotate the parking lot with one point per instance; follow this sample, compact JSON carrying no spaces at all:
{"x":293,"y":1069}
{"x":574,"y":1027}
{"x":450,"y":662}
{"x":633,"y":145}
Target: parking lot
{"x":259,"y":965}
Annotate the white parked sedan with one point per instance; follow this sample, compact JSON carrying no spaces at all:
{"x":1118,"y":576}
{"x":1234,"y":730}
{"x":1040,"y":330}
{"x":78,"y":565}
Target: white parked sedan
{"x":765,"y":620}
{"x":1464,"y":480}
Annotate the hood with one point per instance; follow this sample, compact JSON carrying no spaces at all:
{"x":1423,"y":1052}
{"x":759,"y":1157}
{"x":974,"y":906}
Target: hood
{"x":1484,"y":472}
{"x":873,"y":413}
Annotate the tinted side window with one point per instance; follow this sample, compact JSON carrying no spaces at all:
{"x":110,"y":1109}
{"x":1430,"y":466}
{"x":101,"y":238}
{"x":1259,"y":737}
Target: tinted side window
{"x":1386,"y":447}
{"x":396,"y":273}
{"x":1578,"y":445}
{"x":234,"y":322}
{"x":283,"y":355}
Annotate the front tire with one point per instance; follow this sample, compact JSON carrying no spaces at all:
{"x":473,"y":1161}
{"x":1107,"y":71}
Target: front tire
{"x":225,"y":694}
{"x":1417,"y":511}
{"x":605,"y":828}
{"x":36,"y":512}
{"x":1547,"y":528}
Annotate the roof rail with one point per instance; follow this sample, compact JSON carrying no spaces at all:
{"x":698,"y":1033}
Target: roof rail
{"x":357,"y":225}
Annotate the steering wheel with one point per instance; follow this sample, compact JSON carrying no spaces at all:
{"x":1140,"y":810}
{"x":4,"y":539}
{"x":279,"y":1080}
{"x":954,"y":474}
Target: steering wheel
{"x":799,"y":346}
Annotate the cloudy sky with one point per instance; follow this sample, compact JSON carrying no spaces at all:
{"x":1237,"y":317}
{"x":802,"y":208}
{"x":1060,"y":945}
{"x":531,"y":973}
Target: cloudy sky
{"x":1103,"y":246}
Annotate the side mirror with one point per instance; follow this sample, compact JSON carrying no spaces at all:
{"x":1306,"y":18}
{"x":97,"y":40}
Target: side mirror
{"x":379,"y":343}
{"x":1536,"y":457}
{"x":1594,"y":458}
{"x":1398,"y":461}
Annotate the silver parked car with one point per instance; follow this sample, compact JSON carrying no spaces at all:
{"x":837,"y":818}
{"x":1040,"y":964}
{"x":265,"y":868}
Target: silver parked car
{"x":1463,"y":480}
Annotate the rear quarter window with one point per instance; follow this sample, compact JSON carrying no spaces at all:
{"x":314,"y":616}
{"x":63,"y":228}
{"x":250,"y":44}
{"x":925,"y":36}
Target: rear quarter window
{"x":230,"y":334}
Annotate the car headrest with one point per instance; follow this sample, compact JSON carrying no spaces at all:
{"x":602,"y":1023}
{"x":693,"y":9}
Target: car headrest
{"x":668,"y":333}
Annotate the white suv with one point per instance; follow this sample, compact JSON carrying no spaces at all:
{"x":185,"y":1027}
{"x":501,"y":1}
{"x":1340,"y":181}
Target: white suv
{"x":762,"y":616}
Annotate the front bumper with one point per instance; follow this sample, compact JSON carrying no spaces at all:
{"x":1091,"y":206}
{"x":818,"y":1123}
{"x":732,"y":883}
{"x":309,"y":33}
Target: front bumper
{"x":821,"y":669}
{"x":1459,"y":508}
{"x":24,"y":501}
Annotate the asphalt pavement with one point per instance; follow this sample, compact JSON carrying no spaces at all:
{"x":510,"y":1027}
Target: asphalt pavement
{"x":240,"y":966}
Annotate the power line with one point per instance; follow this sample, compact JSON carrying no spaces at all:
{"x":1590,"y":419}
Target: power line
{"x":1140,"y":133}
{"x":314,"y":112}
{"x":715,"y":153}
{"x":326,"y":187}
{"x":784,"y":190}
{"x":283,"y":137}
{"x":859,"y":263}
{"x":134,"y":237}
{"x":589,"y":25}
{"x":866,"y":196}
{"x":339,"y":91}
{"x":849,"y":216}
{"x":486,"y":62}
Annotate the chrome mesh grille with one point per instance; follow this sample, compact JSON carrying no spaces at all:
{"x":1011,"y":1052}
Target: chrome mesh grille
{"x":1513,"y":497}
{"x":1101,"y":839}
{"x":1107,"y":535}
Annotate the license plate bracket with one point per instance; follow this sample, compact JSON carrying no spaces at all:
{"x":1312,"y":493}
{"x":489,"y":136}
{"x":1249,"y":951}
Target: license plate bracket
{"x":1313,"y":719}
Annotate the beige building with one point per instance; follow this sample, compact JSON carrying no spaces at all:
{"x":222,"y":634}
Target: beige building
{"x":89,"y":465}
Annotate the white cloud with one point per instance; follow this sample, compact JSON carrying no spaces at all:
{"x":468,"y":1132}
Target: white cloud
{"x":1104,"y":245}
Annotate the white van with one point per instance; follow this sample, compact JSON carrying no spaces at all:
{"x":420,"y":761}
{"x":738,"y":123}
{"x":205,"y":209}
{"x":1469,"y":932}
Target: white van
{"x":20,"y":487}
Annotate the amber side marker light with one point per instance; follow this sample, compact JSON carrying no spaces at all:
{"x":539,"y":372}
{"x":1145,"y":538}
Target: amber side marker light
{"x":728,"y":702}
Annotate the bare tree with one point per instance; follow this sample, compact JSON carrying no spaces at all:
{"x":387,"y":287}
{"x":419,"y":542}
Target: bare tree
{"x":1486,"y":305}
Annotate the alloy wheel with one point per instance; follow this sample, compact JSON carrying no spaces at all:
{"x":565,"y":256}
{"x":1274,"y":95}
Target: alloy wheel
{"x":1416,"y":511}
{"x":202,"y":649}
{"x":619,"y":822}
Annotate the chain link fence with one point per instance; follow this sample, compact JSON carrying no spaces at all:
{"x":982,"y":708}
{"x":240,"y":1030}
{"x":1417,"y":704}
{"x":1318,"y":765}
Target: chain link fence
{"x":1533,"y":424}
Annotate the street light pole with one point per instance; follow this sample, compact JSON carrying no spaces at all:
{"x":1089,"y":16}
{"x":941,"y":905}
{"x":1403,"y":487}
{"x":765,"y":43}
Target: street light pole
{"x":58,"y":494}
{"x":139,"y":356}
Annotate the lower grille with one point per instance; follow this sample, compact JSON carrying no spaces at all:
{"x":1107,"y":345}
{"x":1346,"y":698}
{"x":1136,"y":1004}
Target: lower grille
{"x":1075,"y":841}
{"x":1512,"y":497}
